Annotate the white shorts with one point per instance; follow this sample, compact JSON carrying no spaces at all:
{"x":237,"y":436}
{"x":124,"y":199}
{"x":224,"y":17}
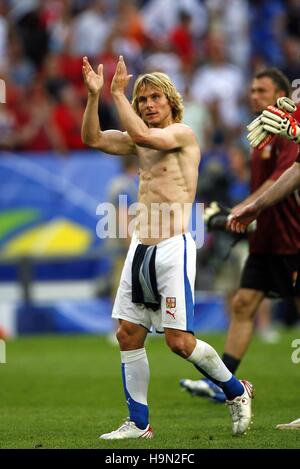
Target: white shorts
{"x":175,"y":266}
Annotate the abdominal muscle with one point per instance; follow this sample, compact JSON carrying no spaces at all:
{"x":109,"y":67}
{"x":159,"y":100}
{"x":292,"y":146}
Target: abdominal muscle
{"x":164,"y":207}
{"x":168,"y":182}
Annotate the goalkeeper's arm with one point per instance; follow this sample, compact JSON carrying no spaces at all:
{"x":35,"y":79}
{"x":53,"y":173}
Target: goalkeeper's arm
{"x":288,"y":182}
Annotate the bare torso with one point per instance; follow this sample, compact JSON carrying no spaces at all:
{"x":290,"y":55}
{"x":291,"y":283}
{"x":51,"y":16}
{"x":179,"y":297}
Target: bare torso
{"x":168,"y":151}
{"x":167,"y":188}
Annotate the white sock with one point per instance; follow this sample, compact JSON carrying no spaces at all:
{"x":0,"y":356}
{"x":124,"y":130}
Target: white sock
{"x":136,"y":374}
{"x":206,"y":358}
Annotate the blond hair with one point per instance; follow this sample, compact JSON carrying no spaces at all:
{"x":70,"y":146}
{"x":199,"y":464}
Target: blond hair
{"x":162,"y":82}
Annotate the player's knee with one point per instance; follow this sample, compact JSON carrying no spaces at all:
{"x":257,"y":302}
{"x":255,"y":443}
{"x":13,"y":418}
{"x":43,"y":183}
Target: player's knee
{"x":178,"y":345}
{"x":242,"y":308}
{"x":130,"y":337}
{"x":124,"y":338}
{"x":121,"y":336}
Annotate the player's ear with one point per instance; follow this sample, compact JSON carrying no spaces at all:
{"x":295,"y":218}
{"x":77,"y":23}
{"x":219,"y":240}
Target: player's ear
{"x":280,"y":94}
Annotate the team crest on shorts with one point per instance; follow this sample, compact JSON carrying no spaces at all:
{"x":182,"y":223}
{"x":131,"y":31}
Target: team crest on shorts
{"x":171,"y":302}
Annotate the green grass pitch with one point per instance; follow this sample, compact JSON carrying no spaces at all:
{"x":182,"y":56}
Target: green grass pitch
{"x":64,"y":391}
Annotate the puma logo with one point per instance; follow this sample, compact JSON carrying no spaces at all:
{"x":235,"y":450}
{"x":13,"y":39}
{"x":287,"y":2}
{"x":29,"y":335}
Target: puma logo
{"x":171,"y":314}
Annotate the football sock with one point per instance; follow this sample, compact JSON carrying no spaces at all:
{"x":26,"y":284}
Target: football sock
{"x":206,"y":360}
{"x":231,"y":362}
{"x":135,"y":377}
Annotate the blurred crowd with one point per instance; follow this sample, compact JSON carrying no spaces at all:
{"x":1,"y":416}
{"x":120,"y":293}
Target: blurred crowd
{"x":210,"y":48}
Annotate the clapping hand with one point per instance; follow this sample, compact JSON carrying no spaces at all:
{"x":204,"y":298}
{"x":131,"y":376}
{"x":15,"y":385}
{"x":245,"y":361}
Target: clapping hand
{"x":121,"y":78}
{"x":93,"y":81}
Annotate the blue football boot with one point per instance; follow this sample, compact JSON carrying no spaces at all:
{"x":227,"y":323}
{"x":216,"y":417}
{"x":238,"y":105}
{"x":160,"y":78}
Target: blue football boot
{"x":204,"y":388}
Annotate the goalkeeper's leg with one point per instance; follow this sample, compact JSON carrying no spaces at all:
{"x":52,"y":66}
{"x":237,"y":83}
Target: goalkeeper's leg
{"x":244,"y":306}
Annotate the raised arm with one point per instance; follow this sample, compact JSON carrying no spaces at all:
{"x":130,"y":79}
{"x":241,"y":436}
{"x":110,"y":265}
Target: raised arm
{"x":169,"y":138}
{"x":109,"y":141}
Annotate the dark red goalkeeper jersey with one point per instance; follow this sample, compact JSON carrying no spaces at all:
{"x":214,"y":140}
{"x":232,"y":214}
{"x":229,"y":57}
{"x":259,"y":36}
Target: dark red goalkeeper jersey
{"x":278,"y":228}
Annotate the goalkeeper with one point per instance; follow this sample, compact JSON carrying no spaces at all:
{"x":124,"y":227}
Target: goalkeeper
{"x":271,"y":266}
{"x":270,"y":123}
{"x":273,"y":121}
